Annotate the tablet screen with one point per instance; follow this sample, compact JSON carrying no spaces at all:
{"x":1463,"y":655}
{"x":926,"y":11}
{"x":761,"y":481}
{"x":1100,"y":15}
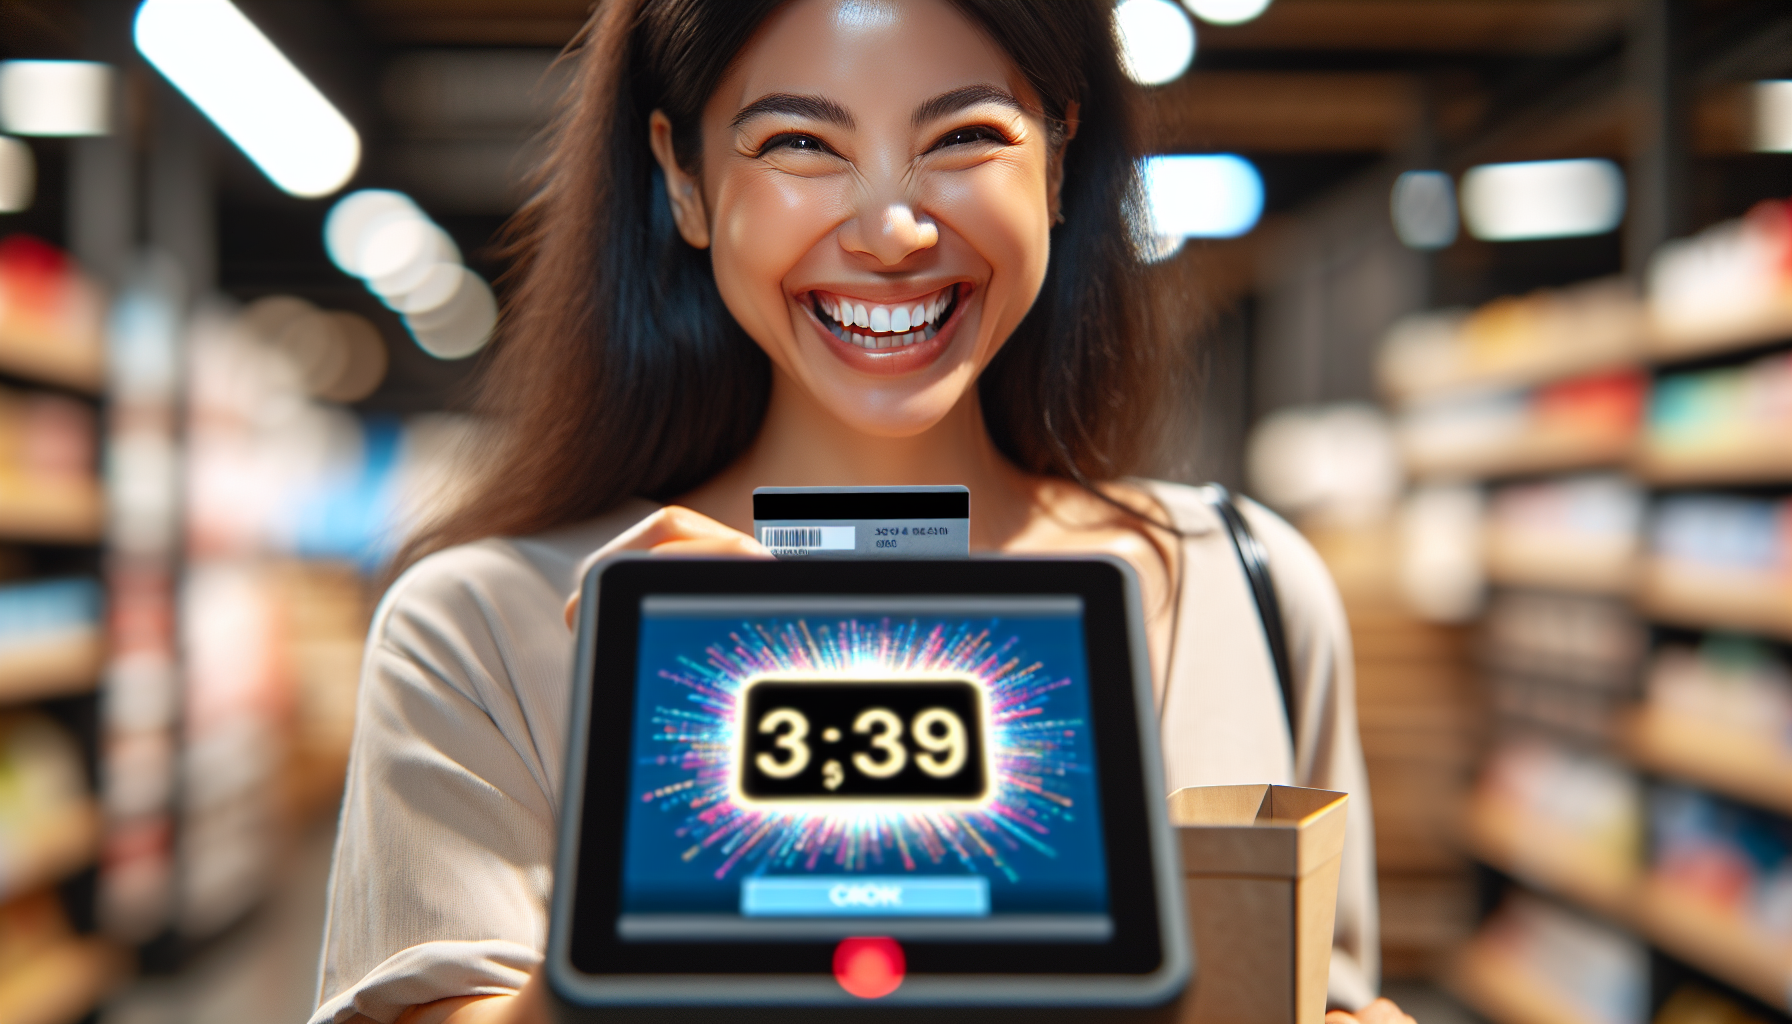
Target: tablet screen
{"x":807,"y":768}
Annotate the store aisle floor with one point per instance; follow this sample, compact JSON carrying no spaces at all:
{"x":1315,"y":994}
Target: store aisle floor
{"x":265,"y":972}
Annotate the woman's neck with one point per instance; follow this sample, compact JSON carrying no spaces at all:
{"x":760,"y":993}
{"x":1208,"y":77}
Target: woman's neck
{"x":801,"y":444}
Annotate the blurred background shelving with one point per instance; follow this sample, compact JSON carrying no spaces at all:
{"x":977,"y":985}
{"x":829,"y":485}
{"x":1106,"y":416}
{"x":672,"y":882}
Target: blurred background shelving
{"x":1551,"y":475}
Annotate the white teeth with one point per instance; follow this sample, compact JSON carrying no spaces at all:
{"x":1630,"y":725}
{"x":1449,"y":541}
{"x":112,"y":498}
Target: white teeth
{"x":896,"y":327}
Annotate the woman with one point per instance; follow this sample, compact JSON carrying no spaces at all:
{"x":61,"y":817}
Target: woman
{"x":813,"y":242}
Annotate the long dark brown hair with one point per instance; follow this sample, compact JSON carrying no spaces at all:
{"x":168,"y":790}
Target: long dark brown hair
{"x":620,"y":373}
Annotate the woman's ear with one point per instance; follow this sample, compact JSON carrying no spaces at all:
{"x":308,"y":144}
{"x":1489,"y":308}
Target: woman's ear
{"x":682,"y":190}
{"x":1054,"y":171}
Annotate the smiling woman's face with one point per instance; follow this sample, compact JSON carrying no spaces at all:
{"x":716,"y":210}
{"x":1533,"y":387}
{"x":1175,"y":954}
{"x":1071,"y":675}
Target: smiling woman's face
{"x":874,"y":190}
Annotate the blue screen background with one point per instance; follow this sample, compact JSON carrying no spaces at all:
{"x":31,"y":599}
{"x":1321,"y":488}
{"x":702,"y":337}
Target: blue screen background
{"x":1048,"y":851}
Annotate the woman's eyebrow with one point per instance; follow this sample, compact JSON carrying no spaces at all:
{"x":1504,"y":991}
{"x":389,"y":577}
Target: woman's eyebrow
{"x":958,"y":99}
{"x":818,"y":108}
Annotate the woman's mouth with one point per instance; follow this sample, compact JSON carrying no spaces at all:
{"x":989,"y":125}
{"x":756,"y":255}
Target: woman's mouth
{"x":878,"y":327}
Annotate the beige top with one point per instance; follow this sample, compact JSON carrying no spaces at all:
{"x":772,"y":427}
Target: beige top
{"x":444,"y":859}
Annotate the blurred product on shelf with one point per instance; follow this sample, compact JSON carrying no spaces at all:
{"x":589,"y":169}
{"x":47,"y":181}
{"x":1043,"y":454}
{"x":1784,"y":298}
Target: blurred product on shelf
{"x":1736,"y":684}
{"x":273,"y":471}
{"x":1535,"y":961}
{"x":1582,"y":804}
{"x":291,"y":501}
{"x":1722,"y":561}
{"x":51,"y":316}
{"x":1583,"y":422}
{"x":49,"y":638}
{"x":1720,"y":715}
{"x":1575,"y":533}
{"x":1333,"y":465}
{"x":1732,"y":859}
{"x":49,"y":827}
{"x":1696,"y":1004}
{"x":1334,"y":471}
{"x":1440,"y":566}
{"x":1728,"y":286}
{"x":1730,"y":424}
{"x":139,"y":740}
{"x":47,"y":973}
{"x":48,"y":487}
{"x":1565,"y":662}
{"x":1515,"y":342}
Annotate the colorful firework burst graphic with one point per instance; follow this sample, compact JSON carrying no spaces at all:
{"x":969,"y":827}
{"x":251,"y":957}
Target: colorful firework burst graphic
{"x":1034,"y":754}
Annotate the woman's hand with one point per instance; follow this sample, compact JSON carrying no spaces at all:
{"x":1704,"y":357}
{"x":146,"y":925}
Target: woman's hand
{"x":673,"y":530}
{"x":526,"y":1007}
{"x":1381,"y":1011}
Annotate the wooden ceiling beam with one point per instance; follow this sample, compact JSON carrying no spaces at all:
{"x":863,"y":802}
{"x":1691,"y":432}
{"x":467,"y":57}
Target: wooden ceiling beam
{"x":1282,"y":112}
{"x":1434,"y":26}
{"x":476,"y":22}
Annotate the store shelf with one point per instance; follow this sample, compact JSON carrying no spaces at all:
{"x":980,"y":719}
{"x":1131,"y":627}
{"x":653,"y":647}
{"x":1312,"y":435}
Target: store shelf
{"x":1587,"y":565}
{"x":1534,"y":452}
{"x":1718,"y":942}
{"x":60,"y":665}
{"x":1740,"y":765}
{"x":1752,"y":329}
{"x":1549,"y":858}
{"x":62,"y":983}
{"x":1503,"y":989}
{"x":65,"y":512}
{"x":53,"y":360}
{"x":1716,"y":597}
{"x":1760,"y":459}
{"x":1531,"y":366}
{"x":50,"y":850}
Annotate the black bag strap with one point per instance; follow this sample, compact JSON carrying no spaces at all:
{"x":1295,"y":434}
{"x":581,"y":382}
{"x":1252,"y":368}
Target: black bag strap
{"x":1254,"y":559}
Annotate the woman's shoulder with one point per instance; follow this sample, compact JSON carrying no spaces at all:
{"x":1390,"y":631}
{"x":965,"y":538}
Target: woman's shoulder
{"x":497,"y":584}
{"x":1303,"y":583}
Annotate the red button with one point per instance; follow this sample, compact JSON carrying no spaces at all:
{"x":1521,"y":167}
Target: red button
{"x":869,"y":968}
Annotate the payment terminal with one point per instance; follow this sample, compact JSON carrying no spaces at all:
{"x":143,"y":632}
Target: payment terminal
{"x":814,"y":789}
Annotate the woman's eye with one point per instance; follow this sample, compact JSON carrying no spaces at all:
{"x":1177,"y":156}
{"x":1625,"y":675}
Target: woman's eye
{"x":966,"y":136}
{"x":797,"y":143}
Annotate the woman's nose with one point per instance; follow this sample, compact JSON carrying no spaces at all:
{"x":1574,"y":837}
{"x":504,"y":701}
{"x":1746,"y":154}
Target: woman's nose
{"x":891,"y":234}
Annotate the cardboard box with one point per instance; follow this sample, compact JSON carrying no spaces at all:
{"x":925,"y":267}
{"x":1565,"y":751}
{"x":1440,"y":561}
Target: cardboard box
{"x":1260,"y":866}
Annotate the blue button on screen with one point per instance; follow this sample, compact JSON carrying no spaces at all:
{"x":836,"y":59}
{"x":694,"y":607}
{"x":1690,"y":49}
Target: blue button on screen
{"x":865,"y":896}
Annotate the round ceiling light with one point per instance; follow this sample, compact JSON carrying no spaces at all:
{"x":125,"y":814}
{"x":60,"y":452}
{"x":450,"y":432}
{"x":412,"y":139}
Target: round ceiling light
{"x":1226,"y":12}
{"x":1157,"y":41}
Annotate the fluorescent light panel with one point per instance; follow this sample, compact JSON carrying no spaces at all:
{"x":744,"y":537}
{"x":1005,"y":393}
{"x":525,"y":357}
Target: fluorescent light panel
{"x":248,"y":88}
{"x":55,"y":97}
{"x":1542,"y":199}
{"x":18,"y":176}
{"x":1215,"y":195}
{"x":1773,"y":117}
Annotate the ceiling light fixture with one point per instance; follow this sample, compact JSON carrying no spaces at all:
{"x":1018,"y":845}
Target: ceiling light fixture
{"x":1423,"y":208}
{"x":1226,"y":12}
{"x":55,"y":97}
{"x":1773,"y":117}
{"x":1542,"y":199}
{"x":248,"y":88}
{"x":1157,"y":41}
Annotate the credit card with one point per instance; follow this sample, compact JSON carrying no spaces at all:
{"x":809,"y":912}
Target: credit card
{"x":864,"y":522}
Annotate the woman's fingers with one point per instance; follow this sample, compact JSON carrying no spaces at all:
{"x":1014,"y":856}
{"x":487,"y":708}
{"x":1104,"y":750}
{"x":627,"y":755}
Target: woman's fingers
{"x":1381,"y":1011}
{"x":673,"y":530}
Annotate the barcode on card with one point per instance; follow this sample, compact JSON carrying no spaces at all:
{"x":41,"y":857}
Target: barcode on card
{"x":794,"y":539}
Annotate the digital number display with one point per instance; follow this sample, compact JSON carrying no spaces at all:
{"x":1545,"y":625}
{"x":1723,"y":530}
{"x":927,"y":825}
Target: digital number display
{"x":862,"y":739}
